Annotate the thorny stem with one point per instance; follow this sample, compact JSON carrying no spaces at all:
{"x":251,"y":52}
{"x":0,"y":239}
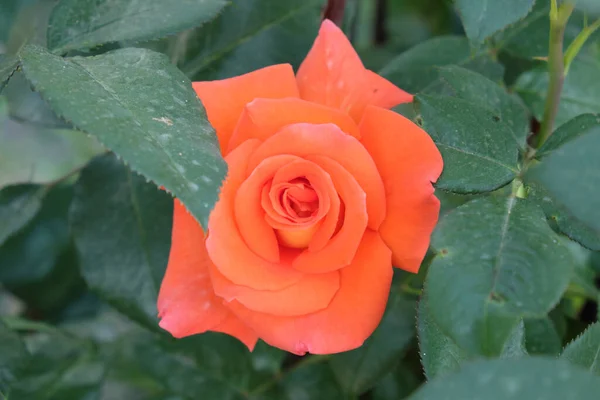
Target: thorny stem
{"x":556,"y":68}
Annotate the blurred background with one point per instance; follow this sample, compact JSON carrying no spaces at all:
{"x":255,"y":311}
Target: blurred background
{"x":85,"y":342}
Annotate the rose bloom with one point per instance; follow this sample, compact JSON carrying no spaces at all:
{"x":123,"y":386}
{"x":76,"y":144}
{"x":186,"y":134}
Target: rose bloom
{"x":326,"y":190}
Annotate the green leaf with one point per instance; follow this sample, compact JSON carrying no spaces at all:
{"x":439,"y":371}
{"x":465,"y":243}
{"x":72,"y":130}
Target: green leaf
{"x":498,"y":261}
{"x":482,"y":18}
{"x":522,"y":378}
{"x":18,"y":205}
{"x":416,"y":68}
{"x":311,"y":381}
{"x":397,"y":384}
{"x":479,"y":150}
{"x":571,"y":177}
{"x":475,"y":88}
{"x":122,"y":226}
{"x":14,"y":357}
{"x":141,"y":107}
{"x":30,"y":154}
{"x":580,"y":94}
{"x":590,"y":6}
{"x":585,"y":350}
{"x":568,"y":131}
{"x":8,"y":65}
{"x":359,"y":369}
{"x":83,"y":24}
{"x":252,"y":34}
{"x":439,"y":353}
{"x":541,"y":337}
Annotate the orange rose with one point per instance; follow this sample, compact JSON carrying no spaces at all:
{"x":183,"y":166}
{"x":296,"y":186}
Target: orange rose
{"x":326,"y":190}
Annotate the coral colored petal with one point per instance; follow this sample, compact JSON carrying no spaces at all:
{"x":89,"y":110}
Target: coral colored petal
{"x":187,"y":303}
{"x":225,"y":99}
{"x":310,"y":294}
{"x":350,"y":318}
{"x":340,"y":250}
{"x":332,"y":74}
{"x":408,"y":162}
{"x":309,"y":139}
{"x":262,"y":118}
{"x":232,"y":326}
{"x":228,"y":251}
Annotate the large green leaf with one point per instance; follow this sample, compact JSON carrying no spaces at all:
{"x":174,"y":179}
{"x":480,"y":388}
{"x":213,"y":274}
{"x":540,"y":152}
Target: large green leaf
{"x":359,"y":369}
{"x":122,"y":226}
{"x":83,"y":24}
{"x":18,"y":204}
{"x":567,"y":132}
{"x":580,"y":94}
{"x":482,"y":18}
{"x":498,"y":261}
{"x":585,"y":350}
{"x":30,"y":154}
{"x":252,"y":34}
{"x":523,"y":378}
{"x":479,"y":149}
{"x":473,"y":87}
{"x":416,"y":68}
{"x":13,"y":358}
{"x":144,"y":109}
{"x":571,"y":175}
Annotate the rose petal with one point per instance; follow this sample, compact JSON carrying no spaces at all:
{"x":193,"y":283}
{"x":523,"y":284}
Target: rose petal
{"x":332,"y":74}
{"x":350,"y":318}
{"x":187,"y":303}
{"x":228,"y":251}
{"x":225,"y":99}
{"x":327,"y":139}
{"x":341,"y":249}
{"x":262,"y":118}
{"x":408,"y":162}
{"x":311,"y":293}
{"x":232,"y":326}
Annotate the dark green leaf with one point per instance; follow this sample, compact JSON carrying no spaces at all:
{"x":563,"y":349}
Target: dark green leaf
{"x":580,"y":94}
{"x":311,"y":381}
{"x":482,"y":18}
{"x":122,"y":226}
{"x":359,"y":369}
{"x":18,"y":204}
{"x":522,"y":378}
{"x":252,"y":34}
{"x":498,"y":261}
{"x":83,"y":24}
{"x":8,"y":65}
{"x":144,"y":109}
{"x":585,"y":350}
{"x":479,"y":150}
{"x":30,"y":154}
{"x":439,"y":353}
{"x":13,"y":357}
{"x":416,"y":68}
{"x":477,"y":89}
{"x":571,"y":175}
{"x":541,"y":337}
{"x":568,"y":131}
{"x":397,"y":384}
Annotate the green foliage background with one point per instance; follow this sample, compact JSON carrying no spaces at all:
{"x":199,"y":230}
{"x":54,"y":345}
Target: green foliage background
{"x":505,"y":304}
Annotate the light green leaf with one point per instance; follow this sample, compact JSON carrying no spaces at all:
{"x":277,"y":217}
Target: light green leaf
{"x":568,"y":131}
{"x":521,"y":378}
{"x":14,"y":357}
{"x":479,"y":149}
{"x":416,"y":68}
{"x":477,"y":89}
{"x":30,"y":154}
{"x":359,"y":369}
{"x":482,"y":18}
{"x":580,"y":94}
{"x":83,"y":24}
{"x":141,"y":107}
{"x":18,"y":204}
{"x":571,"y":176}
{"x":498,"y":261}
{"x":585,"y":350}
{"x":122,"y":227}
{"x":252,"y":34}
